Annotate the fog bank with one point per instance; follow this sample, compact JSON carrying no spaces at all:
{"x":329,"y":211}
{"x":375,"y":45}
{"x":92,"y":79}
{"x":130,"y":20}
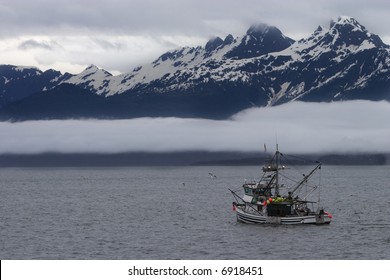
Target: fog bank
{"x":342,"y":127}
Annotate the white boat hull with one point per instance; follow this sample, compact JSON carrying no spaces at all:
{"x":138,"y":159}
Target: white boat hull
{"x":252,"y":218}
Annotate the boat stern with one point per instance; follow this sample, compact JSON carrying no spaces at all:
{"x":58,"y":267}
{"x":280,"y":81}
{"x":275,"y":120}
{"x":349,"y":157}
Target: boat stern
{"x":322,"y":217}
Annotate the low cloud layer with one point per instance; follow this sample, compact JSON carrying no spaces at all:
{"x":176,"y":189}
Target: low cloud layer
{"x":354,"y":126}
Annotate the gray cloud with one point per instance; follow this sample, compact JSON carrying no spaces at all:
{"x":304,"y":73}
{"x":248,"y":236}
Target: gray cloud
{"x":147,"y":23}
{"x":190,"y":17}
{"x":108,"y":45}
{"x":34,"y":44}
{"x":299,"y":127}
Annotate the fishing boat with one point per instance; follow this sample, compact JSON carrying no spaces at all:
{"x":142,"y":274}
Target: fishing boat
{"x":279,"y":198}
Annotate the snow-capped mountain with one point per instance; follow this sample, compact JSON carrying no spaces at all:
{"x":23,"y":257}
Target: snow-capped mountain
{"x":185,"y":67}
{"x":92,"y":78}
{"x":261,"y":68}
{"x":332,"y":64}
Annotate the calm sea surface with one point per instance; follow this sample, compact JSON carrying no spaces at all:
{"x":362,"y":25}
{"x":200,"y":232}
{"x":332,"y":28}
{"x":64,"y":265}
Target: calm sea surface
{"x":181,"y":213}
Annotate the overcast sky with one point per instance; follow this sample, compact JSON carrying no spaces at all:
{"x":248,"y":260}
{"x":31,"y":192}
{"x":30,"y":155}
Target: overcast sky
{"x":354,"y":126}
{"x":118,"y":35}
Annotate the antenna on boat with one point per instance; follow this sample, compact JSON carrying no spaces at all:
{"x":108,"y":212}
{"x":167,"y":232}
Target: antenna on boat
{"x":319,"y":188}
{"x":277,"y":170}
{"x":276,"y":140}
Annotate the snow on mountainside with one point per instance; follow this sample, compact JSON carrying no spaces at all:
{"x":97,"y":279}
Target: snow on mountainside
{"x":261,"y":68}
{"x":182,"y":68}
{"x":281,"y":68}
{"x":92,"y":78}
{"x":340,"y":59}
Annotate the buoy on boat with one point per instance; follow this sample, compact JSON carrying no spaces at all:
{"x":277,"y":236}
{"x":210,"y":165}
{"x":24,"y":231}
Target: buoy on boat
{"x":329,"y":215}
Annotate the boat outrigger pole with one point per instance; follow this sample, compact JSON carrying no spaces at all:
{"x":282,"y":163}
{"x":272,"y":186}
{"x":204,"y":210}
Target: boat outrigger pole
{"x":306,"y":177}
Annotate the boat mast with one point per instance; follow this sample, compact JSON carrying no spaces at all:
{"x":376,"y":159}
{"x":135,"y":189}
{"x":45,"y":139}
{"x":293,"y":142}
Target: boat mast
{"x":277,"y":171}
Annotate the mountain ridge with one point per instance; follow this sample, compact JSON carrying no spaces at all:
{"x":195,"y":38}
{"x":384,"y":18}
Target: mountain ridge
{"x":261,"y":68}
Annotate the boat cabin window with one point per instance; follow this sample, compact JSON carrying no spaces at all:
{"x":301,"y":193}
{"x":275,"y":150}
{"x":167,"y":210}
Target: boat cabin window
{"x":263,"y":192}
{"x":248,"y":191}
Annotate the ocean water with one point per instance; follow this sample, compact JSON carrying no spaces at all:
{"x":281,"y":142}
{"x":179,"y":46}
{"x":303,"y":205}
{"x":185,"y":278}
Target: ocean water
{"x":182,"y":213}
